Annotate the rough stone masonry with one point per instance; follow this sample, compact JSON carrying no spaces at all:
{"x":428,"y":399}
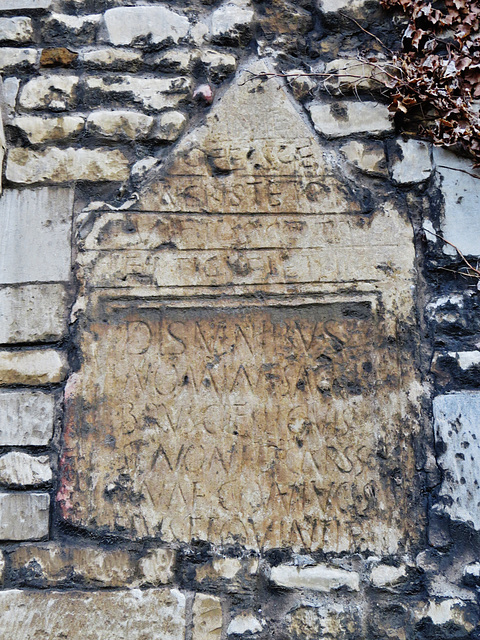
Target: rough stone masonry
{"x":239,"y":368}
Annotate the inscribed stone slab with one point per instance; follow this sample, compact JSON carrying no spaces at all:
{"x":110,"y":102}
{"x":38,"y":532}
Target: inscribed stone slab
{"x":246,"y":372}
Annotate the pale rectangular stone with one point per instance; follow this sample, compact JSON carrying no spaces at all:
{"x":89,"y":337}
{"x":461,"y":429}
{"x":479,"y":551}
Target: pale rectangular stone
{"x":20,"y":469}
{"x":16,"y":29}
{"x":153,"y":93}
{"x":119,"y":125}
{"x":156,"y":614}
{"x":39,"y":219}
{"x":40,"y":130}
{"x":30,"y":5}
{"x":24,"y":516}
{"x":52,"y":91}
{"x":456,"y":418}
{"x":33,"y":313}
{"x":156,"y":567}
{"x":9,"y":91}
{"x":318,"y":578}
{"x":32,"y":367}
{"x":26,"y":418}
{"x":207,"y":617}
{"x":411,"y":162}
{"x":17,"y":59}
{"x":54,"y":165}
{"x":346,"y":117}
{"x":155,"y":25}
{"x":459,"y":184}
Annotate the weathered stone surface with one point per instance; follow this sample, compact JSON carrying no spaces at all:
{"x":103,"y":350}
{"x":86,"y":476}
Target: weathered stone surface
{"x":81,"y":29}
{"x":302,"y":85}
{"x":318,"y":578}
{"x":207,"y":618}
{"x":53,"y":565}
{"x":53,"y":165}
{"x":231,"y":22}
{"x":461,"y":194}
{"x":152,"y":93}
{"x":119,"y":125}
{"x":411,"y":163}
{"x":471,"y":574}
{"x":26,"y":418}
{"x":39,"y":130}
{"x":57,"y":57}
{"x":23,"y":516}
{"x":345,"y":117}
{"x":350,"y":74}
{"x":39,"y":218}
{"x":2,"y":567}
{"x":263,"y":418}
{"x":9,"y":94}
{"x":16,"y":29}
{"x":32,"y":367}
{"x":456,"y":419}
{"x":156,"y":567}
{"x":368,"y":157}
{"x":111,"y":58}
{"x":157,"y":614}
{"x":244,"y":623}
{"x":169,"y":126}
{"x":328,"y":6}
{"x":156,"y":25}
{"x":23,"y":470}
{"x":31,"y":5}
{"x":219,"y":64}
{"x":56,"y":92}
{"x":226,"y":568}
{"x":13,"y":59}
{"x":384,"y":575}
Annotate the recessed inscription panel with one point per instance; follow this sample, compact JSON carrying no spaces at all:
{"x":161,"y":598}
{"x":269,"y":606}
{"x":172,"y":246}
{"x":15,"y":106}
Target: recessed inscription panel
{"x":264,"y":426}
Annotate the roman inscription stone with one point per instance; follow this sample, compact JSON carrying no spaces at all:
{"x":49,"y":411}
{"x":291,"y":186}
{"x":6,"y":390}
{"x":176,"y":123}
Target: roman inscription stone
{"x":246,"y":376}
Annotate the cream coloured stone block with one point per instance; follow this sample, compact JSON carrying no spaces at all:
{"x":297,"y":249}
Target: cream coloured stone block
{"x":207,"y":617}
{"x":318,"y":578}
{"x":16,"y":29}
{"x":56,"y":92}
{"x":26,"y":418}
{"x":156,"y":25}
{"x":38,"y":130}
{"x":119,"y":125}
{"x":346,"y":117}
{"x":11,"y":58}
{"x":20,"y":469}
{"x":32,"y":367}
{"x":24,"y":516}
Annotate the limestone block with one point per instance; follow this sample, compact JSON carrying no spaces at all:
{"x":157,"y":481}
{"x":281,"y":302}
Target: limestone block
{"x":40,"y":130}
{"x":32,"y":367}
{"x":143,"y":166}
{"x":31,"y":5}
{"x":23,"y":470}
{"x":350,"y":74}
{"x":169,"y":126}
{"x":445,"y":611}
{"x":318,"y":578}
{"x":471,"y":574}
{"x":17,"y":59}
{"x":176,"y":60}
{"x":461,"y":195}
{"x":302,"y":85}
{"x":17,"y":29}
{"x":226,"y":568}
{"x":152,"y":93}
{"x":39,"y":218}
{"x":2,"y":567}
{"x":53,"y":565}
{"x":111,"y":58}
{"x":56,"y":92}
{"x":384,"y":575}
{"x":9,"y":96}
{"x":328,"y":6}
{"x":346,"y":117}
{"x":456,"y":434}
{"x":155,"y":25}
{"x":368,"y":157}
{"x":82,"y":28}
{"x":156,"y":614}
{"x":156,"y":567}
{"x":412,"y":162}
{"x":207,"y":617}
{"x":231,"y":22}
{"x":244,"y":623}
{"x":119,"y":125}
{"x":25,"y":166}
{"x":220,"y":64}
{"x":24,"y":516}
{"x":26,"y":418}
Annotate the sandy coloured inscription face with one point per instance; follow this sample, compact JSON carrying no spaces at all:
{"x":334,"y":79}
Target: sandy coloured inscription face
{"x":246,"y":375}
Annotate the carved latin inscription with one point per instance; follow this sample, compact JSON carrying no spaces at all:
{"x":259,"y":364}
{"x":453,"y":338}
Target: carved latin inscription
{"x":264,"y":426}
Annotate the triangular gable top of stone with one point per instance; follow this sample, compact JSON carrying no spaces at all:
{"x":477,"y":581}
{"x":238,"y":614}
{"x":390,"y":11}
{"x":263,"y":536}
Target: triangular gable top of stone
{"x":256,"y":153}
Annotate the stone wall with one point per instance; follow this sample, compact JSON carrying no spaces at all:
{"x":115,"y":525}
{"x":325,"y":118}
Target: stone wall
{"x":239,"y":366}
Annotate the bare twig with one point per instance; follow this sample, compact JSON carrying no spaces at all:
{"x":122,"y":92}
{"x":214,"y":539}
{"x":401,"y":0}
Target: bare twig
{"x":471,"y":267}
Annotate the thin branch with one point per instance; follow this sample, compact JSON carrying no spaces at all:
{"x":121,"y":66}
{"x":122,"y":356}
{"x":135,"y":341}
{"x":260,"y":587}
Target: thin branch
{"x":372,"y":35}
{"x":472,"y":268}
{"x":442,"y":166}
